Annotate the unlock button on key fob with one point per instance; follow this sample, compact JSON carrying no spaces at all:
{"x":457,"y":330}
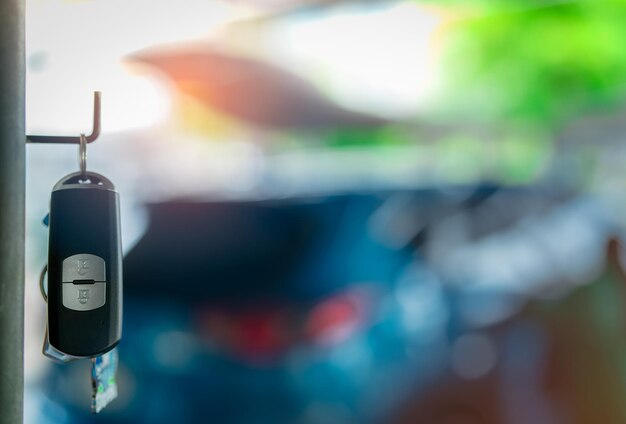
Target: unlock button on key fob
{"x":84,"y":296}
{"x":84,"y":282}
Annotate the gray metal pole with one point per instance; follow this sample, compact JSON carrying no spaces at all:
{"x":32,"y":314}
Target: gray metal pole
{"x":12,"y":176}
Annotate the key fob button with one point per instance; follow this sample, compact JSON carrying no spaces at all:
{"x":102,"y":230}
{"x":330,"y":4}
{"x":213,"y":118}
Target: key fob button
{"x":84,"y":297}
{"x":83,"y":267}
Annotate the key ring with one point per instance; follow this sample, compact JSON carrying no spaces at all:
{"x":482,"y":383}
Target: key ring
{"x":82,"y":154}
{"x":42,"y":276}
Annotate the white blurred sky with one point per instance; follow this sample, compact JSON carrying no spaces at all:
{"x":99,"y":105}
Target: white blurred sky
{"x":379,"y":60}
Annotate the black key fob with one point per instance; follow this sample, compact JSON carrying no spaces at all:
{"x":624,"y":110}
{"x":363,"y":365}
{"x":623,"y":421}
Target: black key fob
{"x":84,"y":266}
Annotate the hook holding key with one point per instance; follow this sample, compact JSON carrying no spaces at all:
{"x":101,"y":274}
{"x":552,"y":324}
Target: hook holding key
{"x":82,"y":154}
{"x":95,"y":132}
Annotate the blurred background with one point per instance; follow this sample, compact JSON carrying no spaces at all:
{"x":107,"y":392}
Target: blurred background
{"x":342,"y":211}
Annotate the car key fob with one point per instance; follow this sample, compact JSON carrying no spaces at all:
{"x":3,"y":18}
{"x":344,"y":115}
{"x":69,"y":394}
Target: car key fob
{"x":84,"y":266}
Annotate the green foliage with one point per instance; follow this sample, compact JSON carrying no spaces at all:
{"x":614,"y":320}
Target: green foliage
{"x":348,"y":137}
{"x":540,"y":65}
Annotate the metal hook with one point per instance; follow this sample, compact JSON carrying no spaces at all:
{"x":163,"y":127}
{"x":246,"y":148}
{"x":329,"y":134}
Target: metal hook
{"x":95,"y":132}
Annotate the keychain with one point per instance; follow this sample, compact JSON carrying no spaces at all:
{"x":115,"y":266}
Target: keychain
{"x":84,"y":290}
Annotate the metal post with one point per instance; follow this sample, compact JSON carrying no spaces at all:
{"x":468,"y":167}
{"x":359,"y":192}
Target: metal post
{"x":12,"y":176}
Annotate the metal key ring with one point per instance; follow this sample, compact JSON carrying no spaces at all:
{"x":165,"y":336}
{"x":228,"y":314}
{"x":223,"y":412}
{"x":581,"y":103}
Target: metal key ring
{"x":82,"y":154}
{"x":42,"y":276}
